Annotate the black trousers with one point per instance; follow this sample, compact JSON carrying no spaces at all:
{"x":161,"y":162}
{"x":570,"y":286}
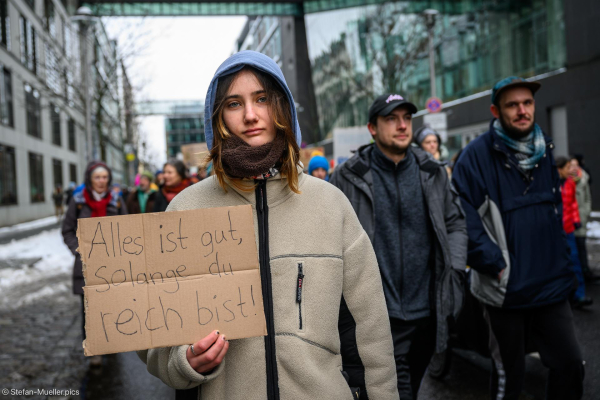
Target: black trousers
{"x":548,"y":330}
{"x":583,"y":257}
{"x":414,"y":344}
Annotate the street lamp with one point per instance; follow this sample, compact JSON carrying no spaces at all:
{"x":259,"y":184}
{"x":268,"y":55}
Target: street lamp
{"x":430,"y":18}
{"x":84,"y":17}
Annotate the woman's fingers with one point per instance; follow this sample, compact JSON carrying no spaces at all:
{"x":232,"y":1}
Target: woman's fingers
{"x":220,"y":349}
{"x":210,"y":355}
{"x":200,"y":347}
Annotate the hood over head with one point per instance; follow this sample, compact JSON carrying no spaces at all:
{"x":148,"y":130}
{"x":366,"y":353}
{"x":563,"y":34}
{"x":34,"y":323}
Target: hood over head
{"x":92,"y":165}
{"x":235,"y":63}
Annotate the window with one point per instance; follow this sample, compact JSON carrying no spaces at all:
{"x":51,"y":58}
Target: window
{"x":36,"y":177}
{"x":72,"y":144}
{"x":50,"y":19}
{"x":31,"y":4}
{"x":72,"y":173}
{"x":33,"y":109}
{"x":55,"y":121}
{"x":8,"y":177}
{"x":28,"y":45}
{"x":4,"y":24}
{"x":52,"y":72}
{"x":6,"y":100}
{"x":57,"y":172}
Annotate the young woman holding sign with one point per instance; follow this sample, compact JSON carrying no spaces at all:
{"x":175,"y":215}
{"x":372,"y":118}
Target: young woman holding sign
{"x":254,"y":137}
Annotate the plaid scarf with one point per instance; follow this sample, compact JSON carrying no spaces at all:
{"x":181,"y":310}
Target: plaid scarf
{"x":533,"y":146}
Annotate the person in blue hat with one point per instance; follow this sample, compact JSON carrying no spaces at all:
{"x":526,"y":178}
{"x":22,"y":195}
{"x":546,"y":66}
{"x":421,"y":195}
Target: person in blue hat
{"x":318,"y":167}
{"x":521,"y":269}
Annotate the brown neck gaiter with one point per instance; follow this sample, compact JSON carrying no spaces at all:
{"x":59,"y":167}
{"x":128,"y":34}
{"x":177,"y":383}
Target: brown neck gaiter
{"x":240,"y":160}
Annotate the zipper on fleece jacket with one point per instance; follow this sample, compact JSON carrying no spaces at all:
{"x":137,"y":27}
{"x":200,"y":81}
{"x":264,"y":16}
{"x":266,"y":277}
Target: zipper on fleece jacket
{"x":262,"y":212}
{"x":299,"y":293}
{"x":400,"y":239}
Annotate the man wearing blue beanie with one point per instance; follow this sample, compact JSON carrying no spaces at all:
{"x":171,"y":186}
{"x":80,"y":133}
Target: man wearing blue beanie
{"x":318,"y":167}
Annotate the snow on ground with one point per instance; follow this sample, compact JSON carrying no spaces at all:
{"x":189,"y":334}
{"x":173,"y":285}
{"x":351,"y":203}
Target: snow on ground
{"x":595,"y":214}
{"x":38,"y":223}
{"x":593,"y":229}
{"x":27,"y":284}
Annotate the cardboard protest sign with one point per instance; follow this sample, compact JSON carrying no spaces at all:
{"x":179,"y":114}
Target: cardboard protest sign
{"x":167,"y":279}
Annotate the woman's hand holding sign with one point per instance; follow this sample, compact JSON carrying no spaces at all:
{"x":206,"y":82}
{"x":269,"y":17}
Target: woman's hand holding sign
{"x":207,"y":353}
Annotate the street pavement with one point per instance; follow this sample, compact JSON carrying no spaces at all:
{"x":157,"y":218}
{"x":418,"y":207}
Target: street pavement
{"x":40,"y":348}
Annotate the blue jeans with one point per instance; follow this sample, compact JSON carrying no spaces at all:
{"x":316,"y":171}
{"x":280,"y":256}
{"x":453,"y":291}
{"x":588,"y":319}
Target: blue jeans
{"x":580,"y":292}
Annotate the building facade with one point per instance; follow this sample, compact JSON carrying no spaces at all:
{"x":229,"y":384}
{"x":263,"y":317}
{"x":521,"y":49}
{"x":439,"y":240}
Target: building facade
{"x":184,"y":125}
{"x":42,"y":144}
{"x":42,"y":108}
{"x":383,"y":48}
{"x":284,"y":40}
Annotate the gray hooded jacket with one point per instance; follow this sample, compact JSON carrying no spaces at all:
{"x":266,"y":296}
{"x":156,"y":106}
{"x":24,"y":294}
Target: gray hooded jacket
{"x":355,"y":179}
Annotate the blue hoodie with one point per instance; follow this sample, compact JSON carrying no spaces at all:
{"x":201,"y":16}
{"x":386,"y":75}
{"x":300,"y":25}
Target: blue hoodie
{"x":235,"y":63}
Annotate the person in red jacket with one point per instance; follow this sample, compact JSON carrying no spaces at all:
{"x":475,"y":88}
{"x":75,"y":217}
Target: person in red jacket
{"x":571,"y":222}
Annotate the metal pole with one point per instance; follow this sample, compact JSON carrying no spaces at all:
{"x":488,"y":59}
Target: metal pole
{"x":431,"y":62}
{"x":85,"y":72}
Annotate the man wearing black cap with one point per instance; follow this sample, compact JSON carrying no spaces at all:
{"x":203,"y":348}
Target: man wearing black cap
{"x":404,"y":202}
{"x":521,"y":271}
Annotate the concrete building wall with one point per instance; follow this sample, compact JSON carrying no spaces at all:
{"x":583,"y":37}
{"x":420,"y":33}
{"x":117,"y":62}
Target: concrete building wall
{"x":17,"y":136}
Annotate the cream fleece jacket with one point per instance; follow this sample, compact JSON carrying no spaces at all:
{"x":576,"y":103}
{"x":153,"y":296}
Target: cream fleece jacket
{"x":319,"y":229}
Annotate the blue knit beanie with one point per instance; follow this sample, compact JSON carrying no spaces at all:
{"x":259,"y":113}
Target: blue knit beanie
{"x":318,"y":162}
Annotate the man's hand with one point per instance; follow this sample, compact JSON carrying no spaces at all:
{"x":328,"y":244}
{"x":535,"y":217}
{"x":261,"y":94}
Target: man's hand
{"x":500,"y":275}
{"x":209,"y":352}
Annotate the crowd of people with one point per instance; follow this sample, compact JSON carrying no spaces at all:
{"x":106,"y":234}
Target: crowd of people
{"x":408,"y":231}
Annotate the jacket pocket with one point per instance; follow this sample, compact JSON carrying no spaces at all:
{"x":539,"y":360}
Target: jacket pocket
{"x":299,"y":287}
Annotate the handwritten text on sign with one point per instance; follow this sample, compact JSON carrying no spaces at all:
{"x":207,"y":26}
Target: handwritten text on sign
{"x":167,"y":279}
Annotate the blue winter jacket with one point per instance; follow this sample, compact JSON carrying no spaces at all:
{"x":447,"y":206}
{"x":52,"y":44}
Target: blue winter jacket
{"x":514,"y":222}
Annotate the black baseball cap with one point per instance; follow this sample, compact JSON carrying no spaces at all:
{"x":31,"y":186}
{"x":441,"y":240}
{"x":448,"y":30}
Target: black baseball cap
{"x":386,"y":103}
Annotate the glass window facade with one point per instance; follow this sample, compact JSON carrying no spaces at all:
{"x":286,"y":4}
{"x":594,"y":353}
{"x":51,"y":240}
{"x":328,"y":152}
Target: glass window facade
{"x":73,"y":173}
{"x":55,"y":123}
{"x":72,"y":133}
{"x":8,"y":176}
{"x":384,"y":48}
{"x":4,"y":24}
{"x":33,"y":110}
{"x":28,"y":44}
{"x":6,"y":97}
{"x":57,"y":173}
{"x":183,"y":130}
{"x":36,"y":177}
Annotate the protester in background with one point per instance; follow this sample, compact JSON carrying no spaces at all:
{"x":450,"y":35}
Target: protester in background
{"x":431,"y":141}
{"x":175,"y":175}
{"x":160,"y":178}
{"x":519,"y":258}
{"x":581,"y":161}
{"x":95,"y":200}
{"x":69,"y":193}
{"x":253,"y":135}
{"x":571,"y":222}
{"x":584,"y":201}
{"x":318,"y":167}
{"x":404,"y":201}
{"x":141,"y":199}
{"x":59,"y":197}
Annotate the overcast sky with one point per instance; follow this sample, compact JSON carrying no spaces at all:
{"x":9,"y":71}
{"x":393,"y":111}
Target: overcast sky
{"x":172,"y":59}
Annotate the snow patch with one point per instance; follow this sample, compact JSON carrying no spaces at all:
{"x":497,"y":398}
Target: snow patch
{"x":46,"y":291}
{"x":38,"y":223}
{"x":595,"y":214}
{"x":55,"y":258}
{"x":593,"y":229}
